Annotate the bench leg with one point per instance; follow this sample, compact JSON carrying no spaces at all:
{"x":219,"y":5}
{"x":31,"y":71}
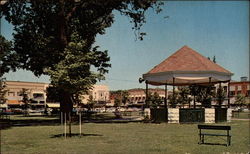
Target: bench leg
{"x":202,"y":140}
{"x":229,"y":140}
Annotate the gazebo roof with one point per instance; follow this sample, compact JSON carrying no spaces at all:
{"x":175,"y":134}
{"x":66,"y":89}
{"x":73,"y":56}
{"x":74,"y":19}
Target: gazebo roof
{"x":187,"y":67}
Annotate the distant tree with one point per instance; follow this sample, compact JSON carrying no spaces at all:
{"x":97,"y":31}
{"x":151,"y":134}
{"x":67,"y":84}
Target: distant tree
{"x":194,"y":90}
{"x":154,"y":99}
{"x":90,"y":102}
{"x":117,"y":102}
{"x":25,"y":99}
{"x":121,"y":97}
{"x":240,"y":100}
{"x":205,"y":95}
{"x":220,"y":95}
{"x":125,"y":95}
{"x":3,"y":91}
{"x":173,"y":99}
{"x":183,"y":94}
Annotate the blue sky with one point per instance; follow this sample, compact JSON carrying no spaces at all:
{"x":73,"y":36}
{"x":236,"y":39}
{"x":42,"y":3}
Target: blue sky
{"x":213,"y":28}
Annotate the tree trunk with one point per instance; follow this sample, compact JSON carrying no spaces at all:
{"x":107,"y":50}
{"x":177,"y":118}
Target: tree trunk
{"x":66,"y":106}
{"x":69,"y":124}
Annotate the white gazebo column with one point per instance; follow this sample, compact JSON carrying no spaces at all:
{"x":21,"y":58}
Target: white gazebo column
{"x":229,"y":115}
{"x":228,"y":94}
{"x":146,"y":93}
{"x":173,"y":115}
{"x":166,"y":99}
{"x":174,"y":90}
{"x":209,"y":115}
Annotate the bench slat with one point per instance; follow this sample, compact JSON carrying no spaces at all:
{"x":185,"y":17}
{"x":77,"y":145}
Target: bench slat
{"x":214,"y":127}
{"x":214,"y":134}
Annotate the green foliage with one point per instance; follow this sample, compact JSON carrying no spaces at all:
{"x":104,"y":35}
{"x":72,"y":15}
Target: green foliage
{"x":173,"y":99}
{"x":53,"y":94}
{"x":203,"y":94}
{"x":25,"y":94}
{"x":73,"y":74}
{"x":117,"y":102}
{"x":43,"y":29}
{"x":220,"y":95}
{"x":183,"y":94}
{"x":7,"y":58}
{"x":90,"y":102}
{"x":154,"y":99}
{"x":121,"y":97}
{"x":3,"y":90}
{"x":240,"y":100}
{"x":56,"y":38}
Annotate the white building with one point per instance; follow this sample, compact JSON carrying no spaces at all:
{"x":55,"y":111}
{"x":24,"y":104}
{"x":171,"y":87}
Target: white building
{"x":36,"y":92}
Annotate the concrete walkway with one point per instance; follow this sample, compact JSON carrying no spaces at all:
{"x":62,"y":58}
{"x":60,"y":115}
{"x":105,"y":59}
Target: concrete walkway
{"x":240,"y":119}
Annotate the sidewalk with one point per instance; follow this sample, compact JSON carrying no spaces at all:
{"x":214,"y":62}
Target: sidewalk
{"x":240,"y":119}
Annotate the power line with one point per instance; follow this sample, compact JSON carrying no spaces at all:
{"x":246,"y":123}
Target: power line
{"x":121,"y":80}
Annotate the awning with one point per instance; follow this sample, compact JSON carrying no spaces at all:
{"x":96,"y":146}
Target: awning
{"x":186,"y":77}
{"x":3,"y":105}
{"x":53,"y":105}
{"x":14,"y":102}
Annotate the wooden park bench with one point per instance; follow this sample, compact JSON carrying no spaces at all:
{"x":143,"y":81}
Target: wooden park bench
{"x":214,"y":127}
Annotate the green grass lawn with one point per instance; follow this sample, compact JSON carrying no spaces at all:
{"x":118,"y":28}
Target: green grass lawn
{"x":121,"y":138}
{"x":242,"y":115}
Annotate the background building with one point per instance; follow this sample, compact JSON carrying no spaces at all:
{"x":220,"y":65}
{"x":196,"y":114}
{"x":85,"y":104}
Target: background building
{"x":138,"y":96}
{"x":36,"y":92}
{"x":236,"y":88}
{"x":99,"y":94}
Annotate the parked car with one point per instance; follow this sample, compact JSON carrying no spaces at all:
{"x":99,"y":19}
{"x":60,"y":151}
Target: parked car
{"x":35,"y":112}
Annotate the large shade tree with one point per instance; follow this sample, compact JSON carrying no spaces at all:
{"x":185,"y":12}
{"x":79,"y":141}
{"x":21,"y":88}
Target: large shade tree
{"x":56,"y":38}
{"x":3,"y":91}
{"x":7,"y":56}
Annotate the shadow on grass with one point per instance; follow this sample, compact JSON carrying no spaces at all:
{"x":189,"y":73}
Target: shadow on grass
{"x":21,"y":121}
{"x":73,"y":135}
{"x":38,"y":120}
{"x":101,"y":117}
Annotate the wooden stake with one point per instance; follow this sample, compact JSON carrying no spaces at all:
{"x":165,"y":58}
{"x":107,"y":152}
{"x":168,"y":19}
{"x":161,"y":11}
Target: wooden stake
{"x":80,"y":123}
{"x":65,"y":127}
{"x":62,"y":122}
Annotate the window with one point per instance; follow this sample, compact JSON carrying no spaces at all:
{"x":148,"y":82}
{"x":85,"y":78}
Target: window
{"x":225,"y":88}
{"x":11,"y":93}
{"x":37,"y":95}
{"x":19,"y":93}
{"x":238,"y":92}
{"x":232,"y":93}
{"x":248,"y":93}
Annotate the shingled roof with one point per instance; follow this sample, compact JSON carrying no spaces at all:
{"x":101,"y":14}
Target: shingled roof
{"x":185,"y":67}
{"x":187,"y":59}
